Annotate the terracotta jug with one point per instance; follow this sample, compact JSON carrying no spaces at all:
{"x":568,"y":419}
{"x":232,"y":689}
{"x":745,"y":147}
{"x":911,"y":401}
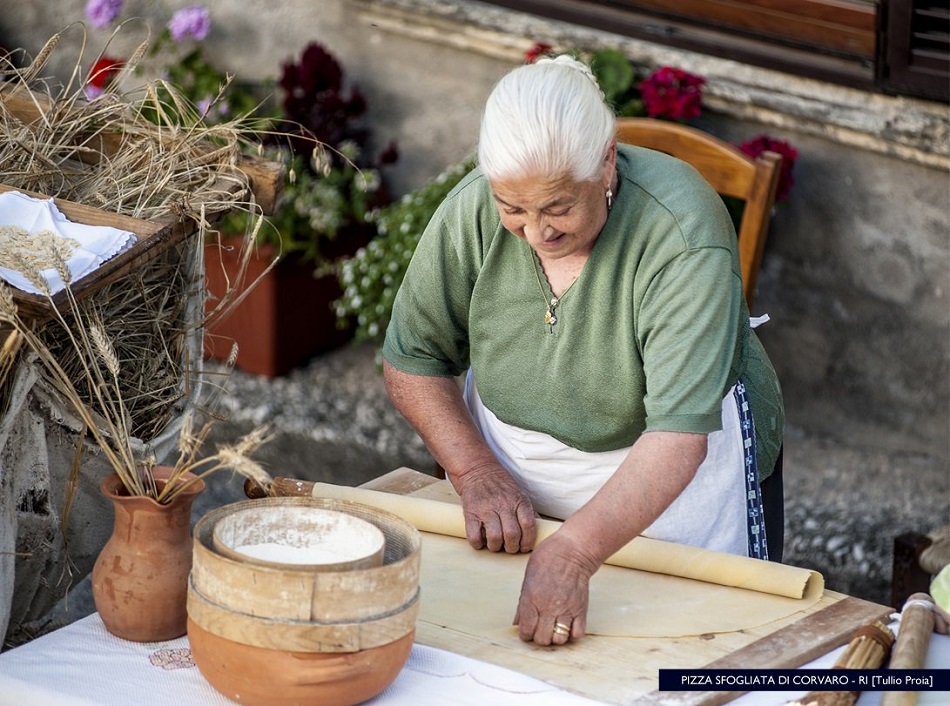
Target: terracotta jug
{"x":140,"y":579}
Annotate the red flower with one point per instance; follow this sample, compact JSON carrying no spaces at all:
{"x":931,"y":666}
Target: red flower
{"x":536,"y":52}
{"x":103,"y":72}
{"x":672,"y":93}
{"x":760,"y":144}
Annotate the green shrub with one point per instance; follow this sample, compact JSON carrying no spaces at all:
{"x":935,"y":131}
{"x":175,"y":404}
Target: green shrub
{"x":371,"y":278}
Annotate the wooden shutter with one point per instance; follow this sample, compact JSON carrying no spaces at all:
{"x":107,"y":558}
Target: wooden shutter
{"x":831,"y":40}
{"x":914,"y":50}
{"x":837,"y":26}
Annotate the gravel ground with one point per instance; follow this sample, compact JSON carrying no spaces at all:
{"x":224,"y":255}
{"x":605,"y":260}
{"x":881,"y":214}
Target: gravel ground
{"x":844,"y":505}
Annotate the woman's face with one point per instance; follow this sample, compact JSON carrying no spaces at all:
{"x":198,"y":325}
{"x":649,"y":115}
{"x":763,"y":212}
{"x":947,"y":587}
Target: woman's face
{"x":558,"y":217}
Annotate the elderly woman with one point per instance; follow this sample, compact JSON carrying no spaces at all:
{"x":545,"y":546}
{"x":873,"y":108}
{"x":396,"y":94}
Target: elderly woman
{"x":592,"y":292}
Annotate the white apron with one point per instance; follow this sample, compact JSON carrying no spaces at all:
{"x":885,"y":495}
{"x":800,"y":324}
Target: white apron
{"x":711,"y":511}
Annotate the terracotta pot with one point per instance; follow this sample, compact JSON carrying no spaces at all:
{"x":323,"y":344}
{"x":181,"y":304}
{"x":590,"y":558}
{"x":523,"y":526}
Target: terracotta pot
{"x":140,"y":579}
{"x":256,"y":676}
{"x":283,"y":634}
{"x":284,"y":320}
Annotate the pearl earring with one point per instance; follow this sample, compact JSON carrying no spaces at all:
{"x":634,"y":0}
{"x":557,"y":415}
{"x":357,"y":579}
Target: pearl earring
{"x":610,"y":198}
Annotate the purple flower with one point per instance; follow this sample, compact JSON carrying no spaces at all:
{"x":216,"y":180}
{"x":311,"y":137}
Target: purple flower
{"x":203,"y":106}
{"x":191,"y":21}
{"x":100,"y":13}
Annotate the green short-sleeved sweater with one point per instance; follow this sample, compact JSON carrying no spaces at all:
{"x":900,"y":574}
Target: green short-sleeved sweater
{"x":651,"y":336}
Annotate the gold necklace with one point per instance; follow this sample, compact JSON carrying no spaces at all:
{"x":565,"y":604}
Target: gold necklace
{"x":550,"y":317}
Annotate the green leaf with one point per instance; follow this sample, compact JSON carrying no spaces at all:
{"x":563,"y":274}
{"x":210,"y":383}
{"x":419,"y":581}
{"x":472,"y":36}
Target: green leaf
{"x":614,"y":72}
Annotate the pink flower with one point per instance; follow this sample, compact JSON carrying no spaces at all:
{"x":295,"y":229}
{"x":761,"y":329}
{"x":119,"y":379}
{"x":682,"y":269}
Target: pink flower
{"x":762,"y":143}
{"x":672,"y":93}
{"x":536,"y":52}
{"x":100,"y":13}
{"x":194,"y":21}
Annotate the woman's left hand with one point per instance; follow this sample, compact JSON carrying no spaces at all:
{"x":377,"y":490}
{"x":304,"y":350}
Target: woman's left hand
{"x":553,"y":604}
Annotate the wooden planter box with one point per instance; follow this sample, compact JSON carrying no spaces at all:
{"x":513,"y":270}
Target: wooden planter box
{"x":284,"y":320}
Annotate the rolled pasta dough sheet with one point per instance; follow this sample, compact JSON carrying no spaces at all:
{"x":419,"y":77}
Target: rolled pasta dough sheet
{"x":676,"y":590}
{"x":623,"y":602}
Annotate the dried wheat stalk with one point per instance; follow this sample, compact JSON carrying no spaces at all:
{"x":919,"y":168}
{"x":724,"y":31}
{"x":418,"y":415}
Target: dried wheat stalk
{"x":120,"y":358}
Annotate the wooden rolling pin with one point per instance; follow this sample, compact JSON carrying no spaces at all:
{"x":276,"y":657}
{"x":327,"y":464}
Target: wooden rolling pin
{"x":279,"y":487}
{"x":913,"y":640}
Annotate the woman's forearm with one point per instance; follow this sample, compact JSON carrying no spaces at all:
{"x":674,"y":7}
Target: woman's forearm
{"x":498,"y":514}
{"x":435,"y":409}
{"x":657,"y":469}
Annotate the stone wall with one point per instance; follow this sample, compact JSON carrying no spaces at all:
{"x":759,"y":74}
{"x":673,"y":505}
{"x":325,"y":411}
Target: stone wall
{"x":857,"y":270}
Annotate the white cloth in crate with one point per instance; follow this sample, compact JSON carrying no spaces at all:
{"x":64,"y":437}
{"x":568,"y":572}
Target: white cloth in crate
{"x":96,"y":244}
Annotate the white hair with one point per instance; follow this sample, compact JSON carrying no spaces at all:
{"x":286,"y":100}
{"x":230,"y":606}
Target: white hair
{"x":546,"y":118}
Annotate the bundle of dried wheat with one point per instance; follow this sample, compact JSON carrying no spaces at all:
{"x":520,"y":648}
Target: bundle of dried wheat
{"x":144,"y":153}
{"x":120,"y":358}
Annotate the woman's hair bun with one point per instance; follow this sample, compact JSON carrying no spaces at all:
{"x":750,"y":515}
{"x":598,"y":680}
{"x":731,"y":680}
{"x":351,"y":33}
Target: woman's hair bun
{"x":570,"y":61}
{"x":549,"y":117}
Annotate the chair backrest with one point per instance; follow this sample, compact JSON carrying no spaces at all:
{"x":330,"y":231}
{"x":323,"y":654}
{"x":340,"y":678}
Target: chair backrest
{"x":728,"y":170}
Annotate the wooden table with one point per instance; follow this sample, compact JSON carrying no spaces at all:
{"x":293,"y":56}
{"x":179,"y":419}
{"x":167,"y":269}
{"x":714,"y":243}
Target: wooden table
{"x":633,"y":663}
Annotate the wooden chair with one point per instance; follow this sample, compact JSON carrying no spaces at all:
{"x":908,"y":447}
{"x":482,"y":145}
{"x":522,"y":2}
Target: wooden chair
{"x":728,"y":170}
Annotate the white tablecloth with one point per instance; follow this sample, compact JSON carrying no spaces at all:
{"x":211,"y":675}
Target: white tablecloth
{"x":83,"y":665}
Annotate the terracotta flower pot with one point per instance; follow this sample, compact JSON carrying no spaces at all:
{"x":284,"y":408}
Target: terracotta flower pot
{"x":140,"y":579}
{"x":284,"y":320}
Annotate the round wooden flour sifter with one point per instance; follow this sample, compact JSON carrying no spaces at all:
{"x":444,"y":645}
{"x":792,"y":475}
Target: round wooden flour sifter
{"x":275,"y":634}
{"x":302,"y":537}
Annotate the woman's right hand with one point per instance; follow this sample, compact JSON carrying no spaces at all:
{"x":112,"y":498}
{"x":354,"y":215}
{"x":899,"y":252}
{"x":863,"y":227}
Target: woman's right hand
{"x":498,"y":513}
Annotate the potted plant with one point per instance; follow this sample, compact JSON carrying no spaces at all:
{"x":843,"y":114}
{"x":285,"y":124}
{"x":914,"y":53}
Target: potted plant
{"x":371,"y":277}
{"x":321,"y":216}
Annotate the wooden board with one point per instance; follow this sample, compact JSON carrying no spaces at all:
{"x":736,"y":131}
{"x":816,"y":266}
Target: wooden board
{"x":623,"y":670}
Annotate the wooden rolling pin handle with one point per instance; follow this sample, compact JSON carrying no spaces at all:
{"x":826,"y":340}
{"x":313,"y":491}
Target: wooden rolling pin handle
{"x":280,"y":487}
{"x":910,"y":650}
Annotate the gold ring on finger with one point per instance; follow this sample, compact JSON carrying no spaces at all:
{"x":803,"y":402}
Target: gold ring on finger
{"x":562,"y":629}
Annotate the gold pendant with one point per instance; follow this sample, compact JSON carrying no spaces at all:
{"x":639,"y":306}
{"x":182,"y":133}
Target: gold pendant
{"x":549,"y":318}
